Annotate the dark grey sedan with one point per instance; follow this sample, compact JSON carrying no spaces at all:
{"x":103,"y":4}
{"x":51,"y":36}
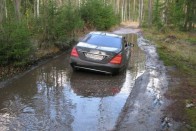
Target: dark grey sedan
{"x":101,"y":52}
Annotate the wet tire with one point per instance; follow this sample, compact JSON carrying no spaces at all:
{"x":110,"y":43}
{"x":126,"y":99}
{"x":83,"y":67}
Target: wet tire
{"x":74,"y":68}
{"x":115,"y":73}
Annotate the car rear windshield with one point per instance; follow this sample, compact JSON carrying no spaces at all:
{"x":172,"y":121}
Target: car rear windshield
{"x":104,"y":40}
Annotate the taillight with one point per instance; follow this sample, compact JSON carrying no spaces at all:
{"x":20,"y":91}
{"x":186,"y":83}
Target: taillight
{"x":117,"y":59}
{"x":74,"y":52}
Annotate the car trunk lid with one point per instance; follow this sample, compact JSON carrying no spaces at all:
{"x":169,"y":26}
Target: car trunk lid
{"x":96,"y":53}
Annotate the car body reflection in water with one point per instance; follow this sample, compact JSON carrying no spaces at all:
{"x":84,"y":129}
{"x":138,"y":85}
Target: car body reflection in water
{"x":100,"y":98}
{"x":52,"y":97}
{"x":89,"y":84}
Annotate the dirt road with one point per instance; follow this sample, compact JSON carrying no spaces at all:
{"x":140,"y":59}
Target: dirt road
{"x":53,"y":97}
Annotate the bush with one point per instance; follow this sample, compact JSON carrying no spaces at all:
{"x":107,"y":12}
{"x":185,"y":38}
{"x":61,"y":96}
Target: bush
{"x":99,"y":14}
{"x":68,"y":21}
{"x":57,"y":25}
{"x":15,"y":45}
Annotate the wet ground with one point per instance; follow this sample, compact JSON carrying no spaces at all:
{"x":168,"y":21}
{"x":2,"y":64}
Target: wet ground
{"x":144,"y":108}
{"x":53,"y":97}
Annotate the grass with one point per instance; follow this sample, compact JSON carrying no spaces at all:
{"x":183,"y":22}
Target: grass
{"x":192,"y":115}
{"x":178,"y":49}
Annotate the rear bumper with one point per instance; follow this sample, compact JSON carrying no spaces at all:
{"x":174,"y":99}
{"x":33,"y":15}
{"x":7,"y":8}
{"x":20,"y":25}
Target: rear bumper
{"x":104,"y":68}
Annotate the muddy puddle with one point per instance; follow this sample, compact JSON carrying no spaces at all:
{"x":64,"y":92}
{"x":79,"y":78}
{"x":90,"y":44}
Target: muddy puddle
{"x":52,"y":97}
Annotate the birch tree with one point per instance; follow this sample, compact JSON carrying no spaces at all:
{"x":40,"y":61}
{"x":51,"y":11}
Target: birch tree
{"x":141,"y":6}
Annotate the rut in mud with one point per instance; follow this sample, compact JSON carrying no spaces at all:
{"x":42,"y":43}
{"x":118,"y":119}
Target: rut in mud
{"x":144,"y":107}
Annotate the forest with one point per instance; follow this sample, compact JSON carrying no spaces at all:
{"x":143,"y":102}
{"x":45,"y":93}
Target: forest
{"x":32,"y":30}
{"x":29,"y":25}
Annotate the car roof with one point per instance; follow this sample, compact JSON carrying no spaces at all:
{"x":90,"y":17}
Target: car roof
{"x":105,"y":33}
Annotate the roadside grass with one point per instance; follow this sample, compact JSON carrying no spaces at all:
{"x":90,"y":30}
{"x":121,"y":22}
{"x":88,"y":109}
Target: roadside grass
{"x":178,"y":49}
{"x":191,"y":114}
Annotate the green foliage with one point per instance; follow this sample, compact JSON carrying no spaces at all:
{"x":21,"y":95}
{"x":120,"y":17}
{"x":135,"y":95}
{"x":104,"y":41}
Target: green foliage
{"x":177,"y":14}
{"x":46,"y":22}
{"x":49,"y":24}
{"x":98,"y":14}
{"x":15,"y":45}
{"x":67,"y":22}
{"x":192,"y":116}
{"x":57,"y":24}
{"x":174,"y":14}
{"x":157,"y":14}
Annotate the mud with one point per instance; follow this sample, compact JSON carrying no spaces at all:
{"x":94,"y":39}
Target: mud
{"x":145,"y":105}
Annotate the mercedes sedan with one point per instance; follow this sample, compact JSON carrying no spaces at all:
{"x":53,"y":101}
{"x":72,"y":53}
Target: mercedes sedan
{"x":101,"y":52}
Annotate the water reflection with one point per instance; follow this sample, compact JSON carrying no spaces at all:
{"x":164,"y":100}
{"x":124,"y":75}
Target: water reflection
{"x":51,"y":97}
{"x":96,"y":85}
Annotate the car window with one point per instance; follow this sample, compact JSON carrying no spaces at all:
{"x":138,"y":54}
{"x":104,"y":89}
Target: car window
{"x":103,"y":40}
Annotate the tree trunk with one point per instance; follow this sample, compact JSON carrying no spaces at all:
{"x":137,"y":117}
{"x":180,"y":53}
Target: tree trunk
{"x":34,"y":9}
{"x":187,"y":14}
{"x":122,"y":11}
{"x":125,"y":9}
{"x":17,"y":9}
{"x":37,"y":9}
{"x":117,"y":6}
{"x":129,"y":10}
{"x":134,"y":7}
{"x":6,"y":9}
{"x":149,"y":13}
{"x":1,"y":11}
{"x":79,"y":3}
{"x":191,"y":15}
{"x":140,"y":11}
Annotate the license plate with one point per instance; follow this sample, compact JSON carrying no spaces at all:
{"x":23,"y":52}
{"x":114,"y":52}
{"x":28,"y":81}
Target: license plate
{"x":94,"y":56}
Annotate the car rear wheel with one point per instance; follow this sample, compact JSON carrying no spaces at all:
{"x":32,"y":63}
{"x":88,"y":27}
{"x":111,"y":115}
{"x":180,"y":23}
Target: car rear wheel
{"x":74,"y":68}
